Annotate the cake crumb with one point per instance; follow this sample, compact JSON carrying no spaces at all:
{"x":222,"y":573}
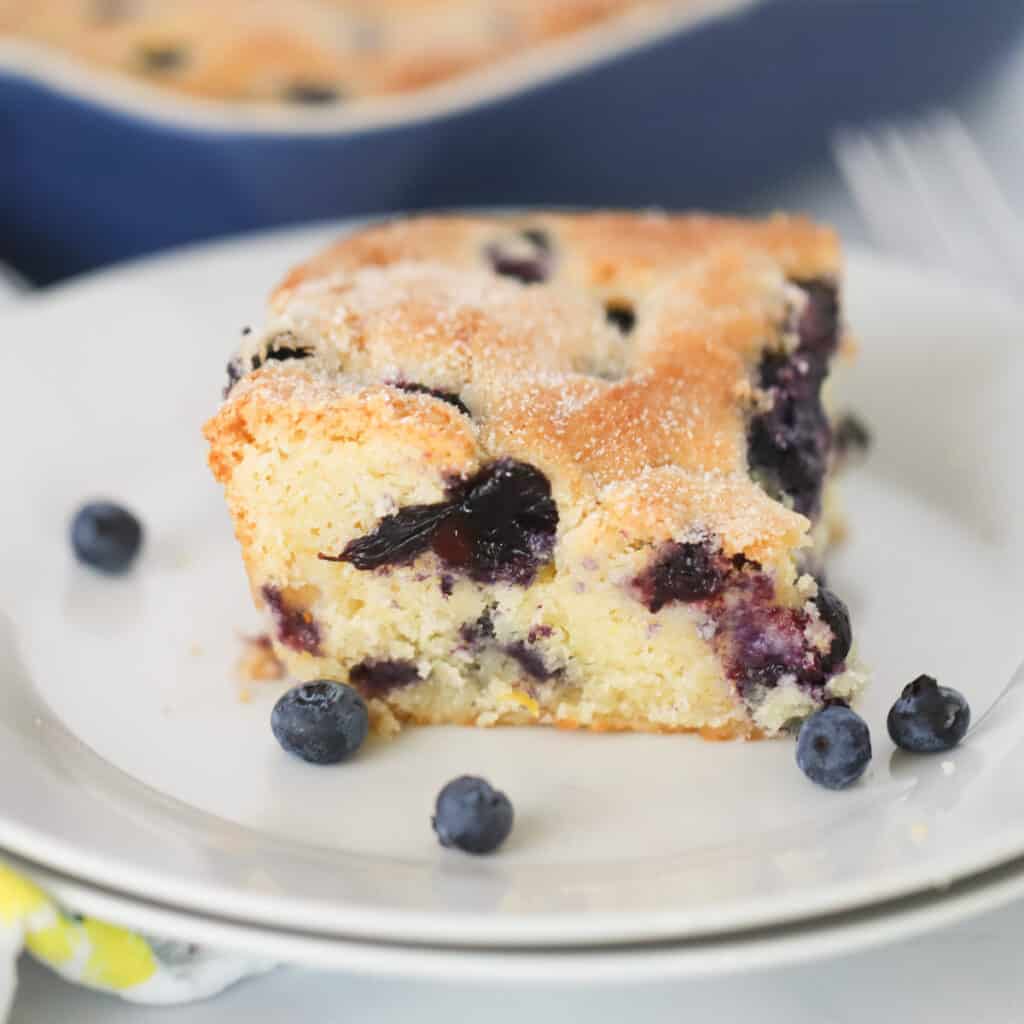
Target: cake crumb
{"x":382,"y":720}
{"x":919,"y":832}
{"x":257,"y":662}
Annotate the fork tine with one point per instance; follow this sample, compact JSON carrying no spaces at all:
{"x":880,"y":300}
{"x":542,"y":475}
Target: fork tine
{"x":913,"y":155}
{"x":876,"y":190}
{"x":925,"y":189}
{"x":989,"y":201}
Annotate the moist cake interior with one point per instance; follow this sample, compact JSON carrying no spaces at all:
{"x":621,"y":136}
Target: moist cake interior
{"x":560,"y":469}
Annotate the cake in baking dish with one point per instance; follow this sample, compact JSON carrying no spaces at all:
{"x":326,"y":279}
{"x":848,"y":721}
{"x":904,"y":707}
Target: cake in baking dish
{"x":303,"y":52}
{"x":566,"y":469}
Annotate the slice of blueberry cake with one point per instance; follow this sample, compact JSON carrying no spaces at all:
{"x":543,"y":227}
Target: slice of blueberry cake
{"x":565,"y":469}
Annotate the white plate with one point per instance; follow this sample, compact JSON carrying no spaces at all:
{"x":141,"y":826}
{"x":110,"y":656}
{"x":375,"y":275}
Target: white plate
{"x":127,"y":758}
{"x":608,"y":969}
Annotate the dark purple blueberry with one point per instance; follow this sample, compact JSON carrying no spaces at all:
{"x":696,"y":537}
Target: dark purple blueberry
{"x":322,"y":722}
{"x":498,"y":524}
{"x":503,"y":525}
{"x":398,"y":540}
{"x":834,"y":747}
{"x":472,"y":816}
{"x":378,"y":678}
{"x":789,"y":446}
{"x":527,"y":257}
{"x":163,"y":58}
{"x":621,"y":316}
{"x":235,"y":373}
{"x":818,"y":328}
{"x":476,"y":632}
{"x":312,"y":93}
{"x":928,"y":718}
{"x":767,"y":642}
{"x":836,"y":616}
{"x":530,"y":661}
{"x":294,"y":627}
{"x":759,"y":640}
{"x":280,"y":348}
{"x":447,"y":584}
{"x":763,"y":674}
{"x":850,"y":436}
{"x":445,"y":396}
{"x":683,"y":571}
{"x":106,"y":536}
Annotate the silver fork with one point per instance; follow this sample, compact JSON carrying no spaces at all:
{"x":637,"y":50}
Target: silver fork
{"x":925,"y":191}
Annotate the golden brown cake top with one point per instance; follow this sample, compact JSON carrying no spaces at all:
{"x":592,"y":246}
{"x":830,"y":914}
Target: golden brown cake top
{"x":617,"y":352}
{"x":302,"y":51}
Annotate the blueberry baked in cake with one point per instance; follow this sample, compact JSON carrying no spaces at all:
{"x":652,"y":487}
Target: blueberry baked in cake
{"x":561,"y":469}
{"x":303,"y":52}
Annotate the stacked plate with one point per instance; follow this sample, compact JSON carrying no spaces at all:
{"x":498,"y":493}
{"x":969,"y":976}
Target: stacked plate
{"x":141,"y":782}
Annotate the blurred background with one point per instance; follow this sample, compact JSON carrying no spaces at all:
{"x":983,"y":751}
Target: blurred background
{"x":127,"y":126}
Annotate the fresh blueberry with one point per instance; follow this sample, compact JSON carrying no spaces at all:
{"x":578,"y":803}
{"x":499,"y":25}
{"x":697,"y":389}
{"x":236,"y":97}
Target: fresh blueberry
{"x":322,"y":722}
{"x":106,"y":536}
{"x":834,"y":747}
{"x":928,"y":718}
{"x":836,"y":616}
{"x":472,"y":816}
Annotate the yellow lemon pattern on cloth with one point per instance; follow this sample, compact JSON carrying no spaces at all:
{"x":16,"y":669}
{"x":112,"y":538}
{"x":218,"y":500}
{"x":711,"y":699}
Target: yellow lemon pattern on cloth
{"x":81,"y":949}
{"x":105,"y":956}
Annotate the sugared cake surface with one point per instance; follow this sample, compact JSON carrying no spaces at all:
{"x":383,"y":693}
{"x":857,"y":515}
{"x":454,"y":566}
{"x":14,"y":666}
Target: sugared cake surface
{"x":307,"y":52}
{"x":558,"y":468}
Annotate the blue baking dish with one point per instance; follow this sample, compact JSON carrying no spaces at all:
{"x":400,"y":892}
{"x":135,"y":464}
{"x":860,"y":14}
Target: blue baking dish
{"x":700,"y":106}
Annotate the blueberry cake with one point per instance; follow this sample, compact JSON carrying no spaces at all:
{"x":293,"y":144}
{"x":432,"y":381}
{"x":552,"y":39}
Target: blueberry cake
{"x":565,"y":469}
{"x":307,"y":52}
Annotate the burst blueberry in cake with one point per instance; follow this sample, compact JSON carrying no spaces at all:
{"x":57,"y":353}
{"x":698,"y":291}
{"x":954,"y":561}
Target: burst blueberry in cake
{"x":304,"y":53}
{"x":561,"y":469}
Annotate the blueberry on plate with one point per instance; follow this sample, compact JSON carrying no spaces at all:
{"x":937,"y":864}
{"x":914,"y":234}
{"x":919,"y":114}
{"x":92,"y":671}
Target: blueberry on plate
{"x":834,"y":747}
{"x":472,"y":816}
{"x":106,"y":536}
{"x":322,"y":722}
{"x":928,"y":718}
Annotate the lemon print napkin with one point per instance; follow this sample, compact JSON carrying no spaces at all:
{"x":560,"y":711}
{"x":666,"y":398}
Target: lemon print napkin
{"x":104,"y":956}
